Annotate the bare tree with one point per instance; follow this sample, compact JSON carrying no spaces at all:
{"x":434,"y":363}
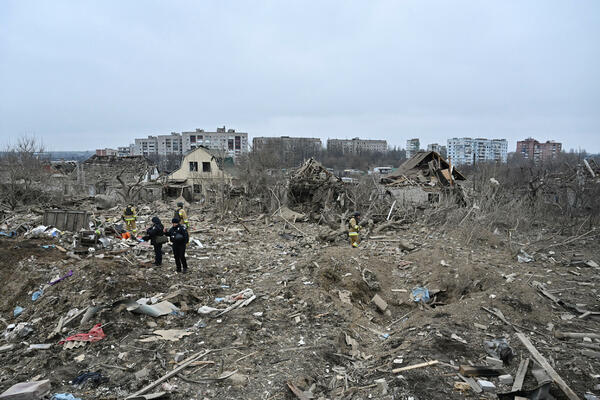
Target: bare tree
{"x":23,"y":168}
{"x":129,"y":192}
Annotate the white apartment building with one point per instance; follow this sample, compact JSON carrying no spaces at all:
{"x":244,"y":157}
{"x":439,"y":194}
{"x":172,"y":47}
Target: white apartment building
{"x":412,"y":147}
{"x":145,"y":147}
{"x":438,"y":148}
{"x":230,"y":142}
{"x":169,"y":144}
{"x":468,"y":151}
{"x":357,"y":145}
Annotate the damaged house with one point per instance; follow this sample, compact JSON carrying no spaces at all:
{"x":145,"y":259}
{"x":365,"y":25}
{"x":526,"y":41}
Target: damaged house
{"x":424,"y":178}
{"x":313,"y":187}
{"x":133,"y":177}
{"x":201,"y":173}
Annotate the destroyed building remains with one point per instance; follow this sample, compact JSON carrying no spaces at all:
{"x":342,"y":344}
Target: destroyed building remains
{"x":424,"y":178}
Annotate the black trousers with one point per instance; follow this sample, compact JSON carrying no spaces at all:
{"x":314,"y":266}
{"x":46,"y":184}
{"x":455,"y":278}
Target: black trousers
{"x":179,"y":253}
{"x":157,"y":254}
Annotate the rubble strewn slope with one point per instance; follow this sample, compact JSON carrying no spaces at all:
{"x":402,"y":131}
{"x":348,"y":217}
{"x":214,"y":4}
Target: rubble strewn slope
{"x":312,"y":330}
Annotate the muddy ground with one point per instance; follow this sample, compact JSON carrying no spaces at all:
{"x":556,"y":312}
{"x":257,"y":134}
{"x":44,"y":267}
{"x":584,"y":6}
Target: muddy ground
{"x":313,"y":324}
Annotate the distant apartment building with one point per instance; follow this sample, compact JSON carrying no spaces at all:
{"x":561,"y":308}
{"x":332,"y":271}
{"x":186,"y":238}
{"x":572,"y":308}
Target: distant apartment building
{"x":231,"y":143}
{"x":169,"y":144}
{"x":145,"y":147}
{"x":106,"y":152}
{"x":412,"y":147}
{"x":228,"y":141}
{"x":287,"y":143}
{"x":125,"y":151}
{"x":438,"y":148}
{"x":531,"y":149}
{"x":468,"y":151}
{"x":356,"y":146}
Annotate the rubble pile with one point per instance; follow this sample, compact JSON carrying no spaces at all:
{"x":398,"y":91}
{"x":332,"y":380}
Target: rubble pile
{"x":266,"y":312}
{"x":312,"y":188}
{"x":425,"y":169}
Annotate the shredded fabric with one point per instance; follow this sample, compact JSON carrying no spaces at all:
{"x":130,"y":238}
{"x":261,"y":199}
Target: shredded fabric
{"x":95,"y":334}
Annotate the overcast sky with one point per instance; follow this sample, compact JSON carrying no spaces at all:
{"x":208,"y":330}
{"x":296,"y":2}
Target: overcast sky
{"x":83,"y":75}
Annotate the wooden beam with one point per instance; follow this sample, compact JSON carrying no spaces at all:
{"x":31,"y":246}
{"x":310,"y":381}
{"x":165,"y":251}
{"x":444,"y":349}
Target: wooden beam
{"x":544,"y":363}
{"x":520,"y":377}
{"x":576,"y":335}
{"x":170,"y":374}
{"x":425,"y":364}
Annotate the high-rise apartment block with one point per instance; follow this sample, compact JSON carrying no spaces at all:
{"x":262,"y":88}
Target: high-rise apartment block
{"x":468,"y":151}
{"x":228,"y":141}
{"x":287,"y":143}
{"x":356,"y":146}
{"x":438,"y":148}
{"x":412,"y":147}
{"x":531,"y":149}
{"x":145,"y":147}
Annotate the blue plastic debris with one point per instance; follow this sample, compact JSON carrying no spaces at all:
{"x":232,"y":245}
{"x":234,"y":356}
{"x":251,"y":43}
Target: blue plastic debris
{"x":64,"y":396}
{"x":36,"y":295}
{"x":18,"y":310}
{"x":48,"y":246}
{"x":420,"y":294}
{"x":9,"y":234}
{"x":384,"y":335}
{"x":219,"y":299}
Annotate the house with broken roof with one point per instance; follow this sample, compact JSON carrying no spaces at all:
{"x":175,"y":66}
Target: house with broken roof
{"x":201,"y":172}
{"x":109,"y":175}
{"x":424,"y":178}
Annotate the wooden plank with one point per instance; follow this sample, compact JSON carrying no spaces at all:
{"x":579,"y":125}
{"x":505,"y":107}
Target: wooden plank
{"x":520,"y":376}
{"x":170,"y":374}
{"x":576,"y":335}
{"x":483,"y":370}
{"x":544,"y":363}
{"x":421,"y":365}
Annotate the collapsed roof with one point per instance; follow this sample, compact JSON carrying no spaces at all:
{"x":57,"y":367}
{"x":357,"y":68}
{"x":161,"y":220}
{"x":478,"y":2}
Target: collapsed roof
{"x":424,"y":168}
{"x":314,"y":186}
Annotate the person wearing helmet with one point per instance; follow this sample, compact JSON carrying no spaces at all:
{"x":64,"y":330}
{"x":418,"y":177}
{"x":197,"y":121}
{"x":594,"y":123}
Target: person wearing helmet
{"x":182,"y":215}
{"x":179,"y":237}
{"x":130,"y":216}
{"x":353,"y":229}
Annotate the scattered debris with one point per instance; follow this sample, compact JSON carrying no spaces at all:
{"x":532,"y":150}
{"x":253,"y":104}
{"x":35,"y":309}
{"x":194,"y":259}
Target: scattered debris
{"x":27,"y":391}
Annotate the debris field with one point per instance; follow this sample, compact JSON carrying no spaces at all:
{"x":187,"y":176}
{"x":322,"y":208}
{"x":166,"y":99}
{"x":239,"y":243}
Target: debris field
{"x":268,"y":311}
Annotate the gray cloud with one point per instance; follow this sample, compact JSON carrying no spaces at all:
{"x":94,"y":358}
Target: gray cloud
{"x":82,"y":75}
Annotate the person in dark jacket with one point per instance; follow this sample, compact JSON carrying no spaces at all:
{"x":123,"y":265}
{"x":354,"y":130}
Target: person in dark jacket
{"x":179,"y":237}
{"x":156,"y":235}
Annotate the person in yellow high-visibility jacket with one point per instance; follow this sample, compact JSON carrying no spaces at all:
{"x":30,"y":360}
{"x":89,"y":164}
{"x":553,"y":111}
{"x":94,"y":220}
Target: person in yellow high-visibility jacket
{"x":130,"y":216}
{"x":353,"y":230}
{"x":182,"y":215}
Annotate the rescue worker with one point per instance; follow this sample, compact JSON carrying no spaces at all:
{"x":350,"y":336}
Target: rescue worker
{"x":179,"y":237}
{"x":156,"y":234}
{"x":353,"y":229}
{"x":182,"y":215}
{"x":130,"y":216}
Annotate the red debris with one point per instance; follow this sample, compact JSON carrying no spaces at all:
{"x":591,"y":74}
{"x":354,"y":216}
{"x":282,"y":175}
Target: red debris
{"x":95,"y":334}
